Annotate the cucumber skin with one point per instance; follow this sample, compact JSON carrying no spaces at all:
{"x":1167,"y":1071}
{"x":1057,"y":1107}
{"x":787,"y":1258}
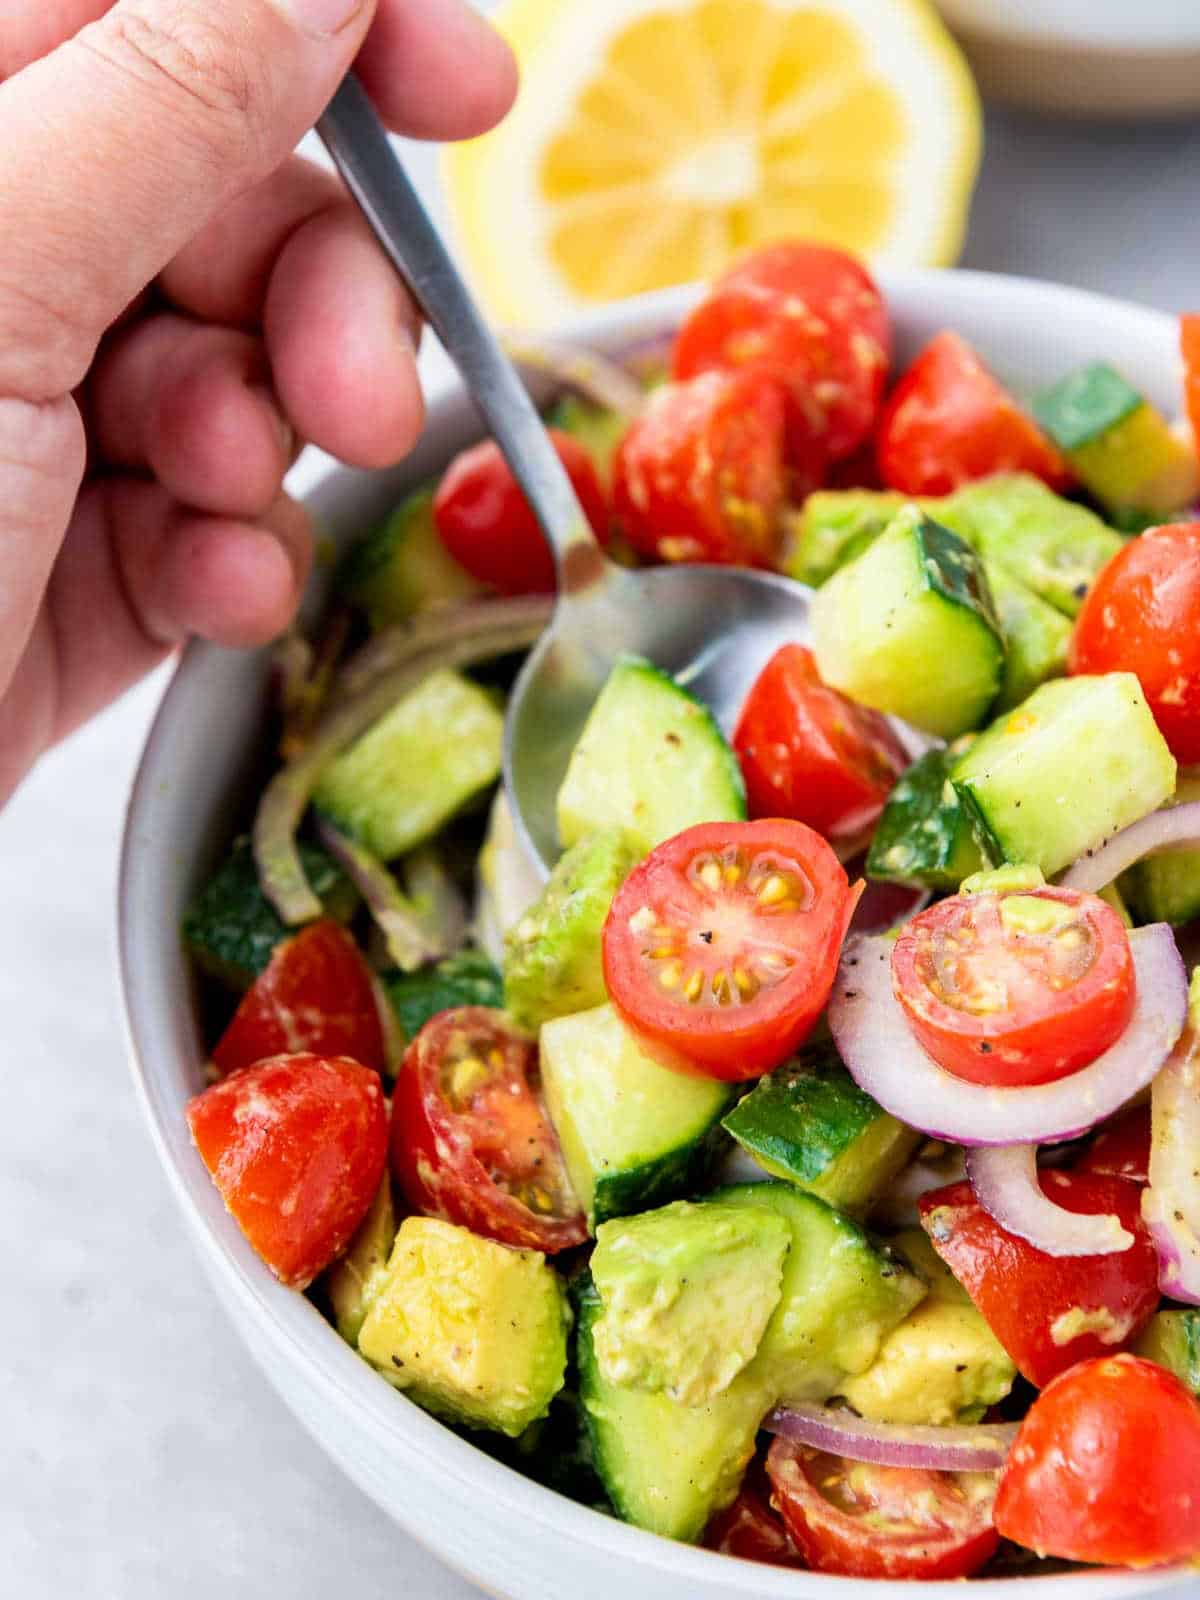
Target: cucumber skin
{"x":676,"y":1175}
{"x":466,"y":979}
{"x":403,"y":567}
{"x":1084,"y":405}
{"x":924,"y":836}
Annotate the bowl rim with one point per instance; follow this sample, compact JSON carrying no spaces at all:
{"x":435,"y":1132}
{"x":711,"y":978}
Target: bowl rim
{"x":294,"y":1327}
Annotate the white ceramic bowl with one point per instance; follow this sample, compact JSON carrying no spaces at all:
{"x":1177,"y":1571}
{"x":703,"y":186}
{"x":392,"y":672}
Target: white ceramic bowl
{"x":1095,"y":58}
{"x":517,"y":1540}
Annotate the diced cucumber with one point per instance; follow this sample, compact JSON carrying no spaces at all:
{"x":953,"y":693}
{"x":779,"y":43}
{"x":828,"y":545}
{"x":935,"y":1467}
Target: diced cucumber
{"x":842,"y":1294}
{"x":810,"y":1123}
{"x":1036,"y":637}
{"x":553,"y":964}
{"x":666,"y":1467}
{"x":231,"y":928}
{"x":1080,"y":760}
{"x":833,"y":527}
{"x":403,"y":566}
{"x":1050,"y":545}
{"x":1166,"y":888}
{"x":651,"y":760}
{"x":910,"y":628}
{"x":353,"y":1282}
{"x":924,"y":836}
{"x":1173,"y":1340}
{"x":1120,"y":447}
{"x":466,"y":979}
{"x":633,"y":1134}
{"x":437,"y":748}
{"x":598,"y":429}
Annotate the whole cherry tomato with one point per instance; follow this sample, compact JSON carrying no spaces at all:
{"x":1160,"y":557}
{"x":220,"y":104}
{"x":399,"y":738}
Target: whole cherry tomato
{"x":486,"y":524}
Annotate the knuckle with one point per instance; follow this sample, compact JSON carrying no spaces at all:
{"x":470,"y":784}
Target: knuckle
{"x":182,"y":51}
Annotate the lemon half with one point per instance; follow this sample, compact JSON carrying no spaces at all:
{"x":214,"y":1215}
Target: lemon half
{"x":653,"y":140}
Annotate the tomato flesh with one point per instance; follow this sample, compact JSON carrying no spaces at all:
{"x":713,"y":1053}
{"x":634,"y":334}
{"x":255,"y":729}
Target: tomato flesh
{"x":865,"y":1521}
{"x":1121,"y":1148}
{"x":812,"y":317}
{"x":1015,"y":989}
{"x":700,"y":475}
{"x":471,"y":1140}
{"x":809,"y":752}
{"x":486,"y":523}
{"x":721,"y":947}
{"x":1049,"y":1311}
{"x":1189,"y":344}
{"x":1142,"y":615}
{"x":1106,"y":1468}
{"x":750,"y":1528}
{"x":315,"y":994}
{"x":297,"y":1146}
{"x":948,"y":422}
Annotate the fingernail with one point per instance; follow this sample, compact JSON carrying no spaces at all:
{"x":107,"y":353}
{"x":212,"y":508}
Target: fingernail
{"x":323,"y":19}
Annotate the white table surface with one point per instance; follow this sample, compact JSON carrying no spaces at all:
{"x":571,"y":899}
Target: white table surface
{"x":141,"y":1454}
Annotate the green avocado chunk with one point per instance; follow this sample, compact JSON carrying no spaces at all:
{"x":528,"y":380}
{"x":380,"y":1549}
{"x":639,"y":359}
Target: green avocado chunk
{"x":552,"y":960}
{"x":232,"y":929}
{"x":1166,"y":888}
{"x":465,"y":979}
{"x":1173,"y":1340}
{"x":473,"y":1331}
{"x":353,"y":1282}
{"x":810,"y":1123}
{"x":833,"y":527}
{"x":687,"y":1292}
{"x":402,"y":779}
{"x":943,"y":1363}
{"x":403,"y":567}
{"x":1036,"y":636}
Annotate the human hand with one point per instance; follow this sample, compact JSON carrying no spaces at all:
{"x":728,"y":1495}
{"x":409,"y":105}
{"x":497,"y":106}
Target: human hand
{"x":182,"y":302}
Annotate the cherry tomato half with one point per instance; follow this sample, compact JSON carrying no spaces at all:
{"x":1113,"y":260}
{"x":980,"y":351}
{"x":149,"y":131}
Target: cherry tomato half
{"x":811,"y":316}
{"x":1121,"y":1148}
{"x":750,"y":1528}
{"x":471,"y":1141}
{"x":700,"y":474}
{"x":297,"y":1146}
{"x":1106,"y":1468}
{"x":809,"y":752}
{"x":1015,"y":989}
{"x":1049,"y":1311}
{"x":485,"y":522}
{"x":720,"y":948}
{"x":948,"y":421}
{"x":315,"y":994}
{"x":1142,"y":615}
{"x":865,"y":1521}
{"x":1189,"y":344}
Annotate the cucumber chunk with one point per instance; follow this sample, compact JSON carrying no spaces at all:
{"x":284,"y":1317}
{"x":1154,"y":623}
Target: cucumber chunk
{"x":553,"y":964}
{"x":465,"y":979}
{"x":1166,"y":888}
{"x":666,"y":1467}
{"x":1173,"y":1340}
{"x":924,"y":836}
{"x":1121,"y":448}
{"x":633,"y":1134}
{"x":597,"y":429}
{"x":1036,"y":637}
{"x":810,"y":1123}
{"x":833,"y":527}
{"x":473,"y":1331}
{"x":1079,"y":761}
{"x":404,"y":567}
{"x":437,"y":748}
{"x":231,"y":929}
{"x":651,"y":760}
{"x":910,"y":628}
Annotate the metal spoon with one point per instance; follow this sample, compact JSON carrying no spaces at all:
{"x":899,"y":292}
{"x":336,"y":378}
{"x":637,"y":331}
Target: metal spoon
{"x":712,"y":627}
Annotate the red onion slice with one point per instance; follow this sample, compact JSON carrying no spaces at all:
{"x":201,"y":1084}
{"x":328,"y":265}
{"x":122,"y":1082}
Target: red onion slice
{"x":411,"y":943}
{"x":1005,"y":1181}
{"x":1171,"y":1205}
{"x":886,"y":1061}
{"x":981,"y":1448}
{"x":1173,"y":828}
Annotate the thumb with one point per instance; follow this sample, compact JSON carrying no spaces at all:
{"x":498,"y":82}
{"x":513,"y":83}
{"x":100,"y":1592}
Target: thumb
{"x":120,"y":145}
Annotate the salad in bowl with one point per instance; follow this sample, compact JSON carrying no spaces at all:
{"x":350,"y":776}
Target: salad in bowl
{"x":806,"y":1170}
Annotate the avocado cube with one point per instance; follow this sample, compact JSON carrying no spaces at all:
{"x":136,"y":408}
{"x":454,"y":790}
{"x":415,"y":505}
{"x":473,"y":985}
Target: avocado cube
{"x":437,"y":748}
{"x":1173,"y":1340}
{"x":553,"y":964}
{"x":687,"y":1292}
{"x":403,"y":567}
{"x":473,"y":1331}
{"x":833,"y":527}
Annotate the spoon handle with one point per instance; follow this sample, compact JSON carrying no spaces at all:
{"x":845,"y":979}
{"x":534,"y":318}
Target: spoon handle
{"x":361,"y":150}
